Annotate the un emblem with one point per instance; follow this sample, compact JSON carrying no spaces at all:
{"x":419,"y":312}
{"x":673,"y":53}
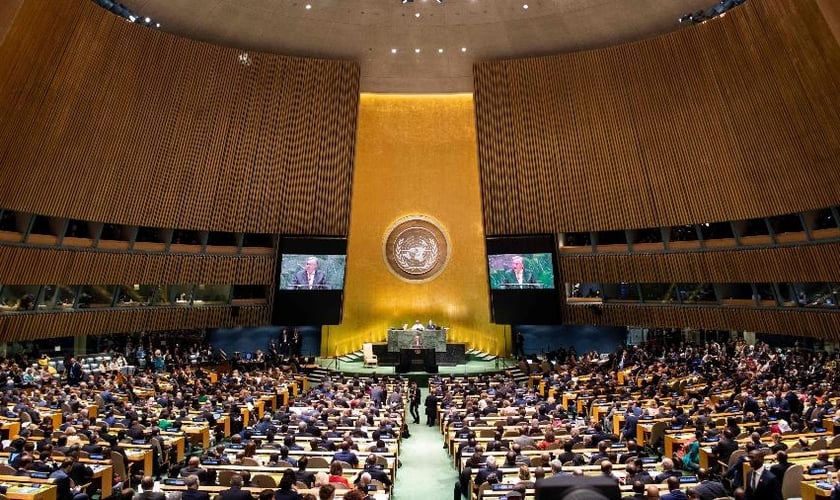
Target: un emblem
{"x":416,"y":248}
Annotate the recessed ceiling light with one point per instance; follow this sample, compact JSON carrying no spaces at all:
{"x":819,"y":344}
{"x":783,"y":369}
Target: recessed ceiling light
{"x":525,"y":6}
{"x":440,"y":51}
{"x":308,"y":6}
{"x":393,"y":51}
{"x":416,"y":14}
{"x":416,"y":51}
{"x":463,"y":49}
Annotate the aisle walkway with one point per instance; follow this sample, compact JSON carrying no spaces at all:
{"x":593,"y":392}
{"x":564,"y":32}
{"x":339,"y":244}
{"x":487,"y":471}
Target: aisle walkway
{"x":427,"y":472}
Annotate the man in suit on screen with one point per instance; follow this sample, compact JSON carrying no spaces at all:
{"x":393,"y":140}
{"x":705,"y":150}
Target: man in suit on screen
{"x":518,"y":276}
{"x":310,"y":277}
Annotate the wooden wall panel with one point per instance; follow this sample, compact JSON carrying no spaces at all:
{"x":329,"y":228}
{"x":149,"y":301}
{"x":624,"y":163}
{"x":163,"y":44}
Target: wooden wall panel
{"x":22,"y":326}
{"x":804,"y":263}
{"x":28,"y":266}
{"x":105,"y":120}
{"x":735,"y":118}
{"x":817,"y":323}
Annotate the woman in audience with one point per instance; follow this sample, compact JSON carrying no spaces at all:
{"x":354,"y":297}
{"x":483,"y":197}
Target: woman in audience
{"x":286,"y":489}
{"x":336,"y":471}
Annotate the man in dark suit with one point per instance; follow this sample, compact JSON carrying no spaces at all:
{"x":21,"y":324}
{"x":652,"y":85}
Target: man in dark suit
{"x":235,"y":492}
{"x":518,"y":276}
{"x":192,"y":492}
{"x":310,"y":277}
{"x":708,"y":489}
{"x":147,"y":485}
{"x":761,"y":483}
{"x":414,"y":402}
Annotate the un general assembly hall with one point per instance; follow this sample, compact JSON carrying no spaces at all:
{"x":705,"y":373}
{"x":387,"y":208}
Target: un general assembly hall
{"x":405,"y":249}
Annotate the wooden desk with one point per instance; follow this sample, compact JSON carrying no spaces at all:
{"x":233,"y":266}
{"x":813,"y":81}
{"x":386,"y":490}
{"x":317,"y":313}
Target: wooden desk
{"x":10,"y":428}
{"x":141,"y":454}
{"x":105,"y":474}
{"x":197,"y":433}
{"x":810,"y":491}
{"x":25,"y":488}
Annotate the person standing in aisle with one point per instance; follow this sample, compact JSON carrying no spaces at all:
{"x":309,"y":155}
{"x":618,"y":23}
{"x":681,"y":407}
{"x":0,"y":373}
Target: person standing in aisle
{"x":414,"y":402}
{"x":431,"y":409}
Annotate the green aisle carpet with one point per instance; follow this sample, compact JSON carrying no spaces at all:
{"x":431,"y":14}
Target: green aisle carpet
{"x":427,"y":472}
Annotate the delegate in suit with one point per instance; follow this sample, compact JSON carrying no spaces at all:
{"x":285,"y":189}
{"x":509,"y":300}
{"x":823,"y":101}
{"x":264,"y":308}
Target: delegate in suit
{"x":310,"y":277}
{"x":518,"y":276}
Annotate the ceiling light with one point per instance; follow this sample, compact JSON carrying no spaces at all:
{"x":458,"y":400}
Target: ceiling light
{"x":463,"y":49}
{"x":407,"y":1}
{"x":416,"y":51}
{"x":416,"y":14}
{"x":393,"y":51}
{"x":308,"y":6}
{"x":440,"y":51}
{"x":525,"y":6}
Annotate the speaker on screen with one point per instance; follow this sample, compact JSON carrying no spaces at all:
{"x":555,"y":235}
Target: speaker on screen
{"x":309,"y":281}
{"x":524,"y":280}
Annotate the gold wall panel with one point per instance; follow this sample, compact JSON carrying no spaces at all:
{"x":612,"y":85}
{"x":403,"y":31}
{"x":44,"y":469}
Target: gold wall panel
{"x":416,"y":155}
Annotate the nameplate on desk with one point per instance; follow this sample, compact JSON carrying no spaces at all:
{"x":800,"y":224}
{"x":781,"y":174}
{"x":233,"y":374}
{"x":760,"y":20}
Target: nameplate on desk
{"x":174,"y":482}
{"x":817,"y":471}
{"x":647,"y":417}
{"x":819,"y":429}
{"x":617,"y":445}
{"x":688,"y":479}
{"x":198,"y":419}
{"x":39,"y":475}
{"x":236,"y":446}
{"x":648,"y":460}
{"x":502,"y":486}
{"x":209,"y":461}
{"x":138,"y":441}
{"x":712,"y":439}
{"x":217,"y":416}
{"x":97,"y":457}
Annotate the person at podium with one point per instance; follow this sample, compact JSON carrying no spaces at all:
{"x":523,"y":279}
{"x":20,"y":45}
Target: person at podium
{"x":417,"y":342}
{"x":518,"y":276}
{"x":418,"y":326}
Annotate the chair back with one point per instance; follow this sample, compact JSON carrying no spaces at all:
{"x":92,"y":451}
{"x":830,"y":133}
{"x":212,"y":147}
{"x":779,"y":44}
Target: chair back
{"x":224,"y":475}
{"x":792,"y":482}
{"x":318,"y":463}
{"x":819,"y":444}
{"x":733,"y":458}
{"x":263,"y":481}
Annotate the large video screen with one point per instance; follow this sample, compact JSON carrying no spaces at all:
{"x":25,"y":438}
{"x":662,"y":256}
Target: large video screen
{"x":309,"y":281}
{"x":523,"y":276}
{"x":521,"y":271}
{"x":312,"y":272}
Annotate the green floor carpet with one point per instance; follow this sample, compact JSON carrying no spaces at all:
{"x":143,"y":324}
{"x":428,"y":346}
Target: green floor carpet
{"x":427,"y":472}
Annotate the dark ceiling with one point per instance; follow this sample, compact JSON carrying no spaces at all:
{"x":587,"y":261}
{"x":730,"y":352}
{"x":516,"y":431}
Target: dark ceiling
{"x":421,"y":46}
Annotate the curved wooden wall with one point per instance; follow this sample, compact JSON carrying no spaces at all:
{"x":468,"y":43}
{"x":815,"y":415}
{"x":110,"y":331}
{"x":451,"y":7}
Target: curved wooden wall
{"x":732,"y":119}
{"x":794,"y":321}
{"x":805,"y":263}
{"x":21,"y":326}
{"x":107,"y":121}
{"x":27,"y":266}
{"x":104,"y":120}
